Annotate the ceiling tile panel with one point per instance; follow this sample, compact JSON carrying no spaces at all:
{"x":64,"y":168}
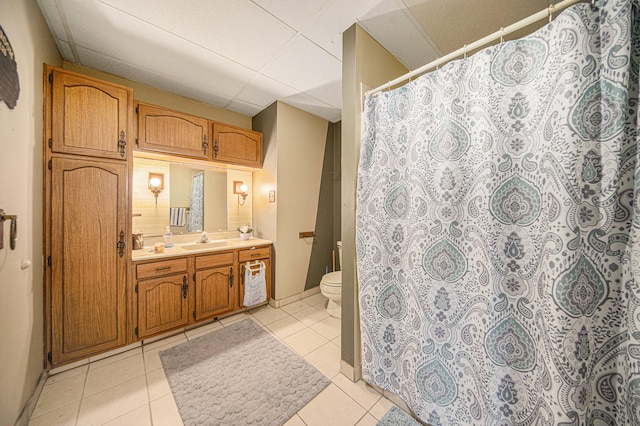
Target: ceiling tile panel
{"x":306,"y":67}
{"x":54,"y":19}
{"x":263,"y":91}
{"x":410,"y":45}
{"x":236,"y":29}
{"x":295,"y":13}
{"x":337,"y":16}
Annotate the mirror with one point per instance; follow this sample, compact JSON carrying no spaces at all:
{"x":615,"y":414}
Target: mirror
{"x":193,"y":198}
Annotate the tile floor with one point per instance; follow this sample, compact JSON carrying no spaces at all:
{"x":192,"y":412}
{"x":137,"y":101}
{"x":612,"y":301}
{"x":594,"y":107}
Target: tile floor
{"x":131,"y":388}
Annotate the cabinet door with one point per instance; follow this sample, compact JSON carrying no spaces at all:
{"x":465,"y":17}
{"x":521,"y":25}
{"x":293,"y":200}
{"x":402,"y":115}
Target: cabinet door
{"x":215,"y":292}
{"x":162,"y":304}
{"x":89,"y":117}
{"x":88,"y":257}
{"x":237,"y":146}
{"x":168,"y":131}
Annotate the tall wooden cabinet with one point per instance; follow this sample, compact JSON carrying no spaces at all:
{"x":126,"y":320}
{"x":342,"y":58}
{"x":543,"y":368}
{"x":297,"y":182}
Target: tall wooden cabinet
{"x":86,"y":230}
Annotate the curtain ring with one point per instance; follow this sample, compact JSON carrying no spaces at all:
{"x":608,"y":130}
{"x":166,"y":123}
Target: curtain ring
{"x":551,"y":11}
{"x":437,"y":63}
{"x":465,"y":51}
{"x":501,"y":35}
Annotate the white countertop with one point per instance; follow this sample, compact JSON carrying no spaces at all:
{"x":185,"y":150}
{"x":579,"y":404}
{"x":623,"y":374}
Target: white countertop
{"x":148,"y":253}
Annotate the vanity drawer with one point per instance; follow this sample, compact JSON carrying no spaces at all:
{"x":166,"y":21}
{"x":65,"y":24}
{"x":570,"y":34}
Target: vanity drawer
{"x":157,"y":269}
{"x":257,"y":253}
{"x":213,"y":260}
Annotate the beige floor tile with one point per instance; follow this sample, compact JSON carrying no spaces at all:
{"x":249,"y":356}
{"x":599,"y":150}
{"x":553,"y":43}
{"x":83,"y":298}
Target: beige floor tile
{"x":337,"y":341}
{"x":367,"y":420}
{"x":328,"y":327}
{"x":305,"y":341}
{"x":294,"y":421}
{"x":59,"y":394}
{"x":332,"y":403}
{"x":164,"y":412}
{"x":362,"y":393}
{"x":380,"y":408}
{"x":176,"y":339}
{"x":157,"y":384}
{"x":114,"y":402}
{"x":63,"y":416}
{"x":326,"y":359}
{"x":311,"y":315}
{"x":194,"y":333}
{"x":113,"y":374}
{"x":266,"y":314}
{"x":316,"y":300}
{"x":114,"y":358}
{"x":234,"y":318}
{"x":285,"y":327}
{"x":294,"y":307}
{"x":138,"y":417}
{"x":77,"y":371}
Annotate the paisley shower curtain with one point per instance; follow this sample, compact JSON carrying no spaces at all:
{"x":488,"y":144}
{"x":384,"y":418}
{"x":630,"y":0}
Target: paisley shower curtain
{"x":497,"y":230}
{"x":196,"y":204}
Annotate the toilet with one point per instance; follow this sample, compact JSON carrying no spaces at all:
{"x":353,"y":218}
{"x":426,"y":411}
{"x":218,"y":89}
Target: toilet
{"x":331,"y":288}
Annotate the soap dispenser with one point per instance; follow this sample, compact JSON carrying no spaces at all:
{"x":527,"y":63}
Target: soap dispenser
{"x":167,"y":237}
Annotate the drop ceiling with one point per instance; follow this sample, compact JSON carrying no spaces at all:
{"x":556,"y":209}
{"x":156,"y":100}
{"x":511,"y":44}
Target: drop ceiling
{"x":243,"y":55}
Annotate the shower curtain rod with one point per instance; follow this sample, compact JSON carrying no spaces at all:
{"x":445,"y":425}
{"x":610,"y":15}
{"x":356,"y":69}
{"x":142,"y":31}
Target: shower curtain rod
{"x":479,"y":43}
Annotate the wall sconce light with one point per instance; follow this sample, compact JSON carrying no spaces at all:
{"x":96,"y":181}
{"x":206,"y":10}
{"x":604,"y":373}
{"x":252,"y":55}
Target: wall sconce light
{"x":156,"y":184}
{"x":241,"y":189}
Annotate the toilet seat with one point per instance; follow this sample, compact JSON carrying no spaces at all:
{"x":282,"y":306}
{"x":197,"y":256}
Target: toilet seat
{"x":333,"y":279}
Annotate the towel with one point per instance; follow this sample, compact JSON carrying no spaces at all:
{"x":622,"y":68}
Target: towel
{"x":177,"y":216}
{"x":255,"y":284}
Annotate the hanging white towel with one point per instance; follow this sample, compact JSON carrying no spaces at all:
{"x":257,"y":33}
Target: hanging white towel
{"x":255,"y":284}
{"x":177,"y":216}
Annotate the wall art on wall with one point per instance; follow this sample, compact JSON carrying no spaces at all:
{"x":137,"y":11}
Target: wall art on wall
{"x":9,"y":82}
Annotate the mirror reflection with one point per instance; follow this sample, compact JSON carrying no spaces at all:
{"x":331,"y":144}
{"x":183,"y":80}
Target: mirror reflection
{"x":193,"y":198}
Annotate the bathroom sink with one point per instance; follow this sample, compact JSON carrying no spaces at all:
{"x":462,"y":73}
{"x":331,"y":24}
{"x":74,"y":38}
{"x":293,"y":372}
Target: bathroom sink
{"x":202,"y":246}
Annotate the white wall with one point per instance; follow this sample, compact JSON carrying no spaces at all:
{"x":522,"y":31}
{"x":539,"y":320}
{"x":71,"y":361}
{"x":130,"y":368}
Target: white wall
{"x":21,"y":291}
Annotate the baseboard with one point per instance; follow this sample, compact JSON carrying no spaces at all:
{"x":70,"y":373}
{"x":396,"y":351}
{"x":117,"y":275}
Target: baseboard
{"x":353,"y":374}
{"x":30,"y":405}
{"x":292,"y":299}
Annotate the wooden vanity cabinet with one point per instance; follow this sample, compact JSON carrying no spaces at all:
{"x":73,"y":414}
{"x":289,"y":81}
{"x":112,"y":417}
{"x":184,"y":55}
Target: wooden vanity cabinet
{"x":250,"y":256}
{"x":216,"y":288}
{"x":167,"y":131}
{"x":234,"y":145}
{"x":162,"y":288}
{"x":89,"y":116}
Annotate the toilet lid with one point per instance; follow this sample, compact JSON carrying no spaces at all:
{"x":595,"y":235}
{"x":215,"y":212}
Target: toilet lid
{"x":333,"y":278}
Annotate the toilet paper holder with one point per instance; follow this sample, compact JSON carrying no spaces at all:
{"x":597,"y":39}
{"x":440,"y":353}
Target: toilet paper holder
{"x":13,"y":229}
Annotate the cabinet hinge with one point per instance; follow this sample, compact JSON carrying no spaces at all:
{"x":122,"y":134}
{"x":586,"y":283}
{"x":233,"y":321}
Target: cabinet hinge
{"x":48,"y":260}
{"x":194,"y":277}
{"x":50,"y":143}
{"x":50,"y":77}
{"x":231,"y":277}
{"x":137,"y":142}
{"x":49,"y":165}
{"x":136,"y":330}
{"x":136,"y":288}
{"x":49,"y":356}
{"x":205,"y":144}
{"x":137,"y":109}
{"x":194,"y":314}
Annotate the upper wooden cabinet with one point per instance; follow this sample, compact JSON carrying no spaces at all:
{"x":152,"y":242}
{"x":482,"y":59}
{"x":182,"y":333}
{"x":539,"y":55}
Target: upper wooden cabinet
{"x":234,"y":145}
{"x":167,"y":131}
{"x":89,"y":116}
